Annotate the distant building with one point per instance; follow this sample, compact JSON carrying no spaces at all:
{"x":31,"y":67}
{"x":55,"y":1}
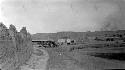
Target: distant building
{"x":66,"y":41}
{"x":61,"y":41}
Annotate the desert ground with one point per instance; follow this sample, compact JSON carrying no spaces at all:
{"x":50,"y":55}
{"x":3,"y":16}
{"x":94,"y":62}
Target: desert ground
{"x":61,"y":58}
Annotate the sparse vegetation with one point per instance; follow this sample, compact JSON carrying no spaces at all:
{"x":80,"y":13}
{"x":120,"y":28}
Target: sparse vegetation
{"x":15,"y":47}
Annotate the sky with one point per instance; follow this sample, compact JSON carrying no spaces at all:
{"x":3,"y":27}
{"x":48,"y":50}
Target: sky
{"x":45,"y":16}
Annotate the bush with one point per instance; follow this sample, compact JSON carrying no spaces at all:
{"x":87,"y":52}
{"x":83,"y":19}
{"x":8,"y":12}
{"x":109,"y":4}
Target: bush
{"x":15,"y":47}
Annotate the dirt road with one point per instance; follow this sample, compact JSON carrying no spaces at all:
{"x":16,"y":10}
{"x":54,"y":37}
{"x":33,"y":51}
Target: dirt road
{"x":38,"y":60}
{"x":61,"y":59}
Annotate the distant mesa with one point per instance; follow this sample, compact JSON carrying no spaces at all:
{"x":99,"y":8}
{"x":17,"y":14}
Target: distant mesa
{"x":83,"y":37}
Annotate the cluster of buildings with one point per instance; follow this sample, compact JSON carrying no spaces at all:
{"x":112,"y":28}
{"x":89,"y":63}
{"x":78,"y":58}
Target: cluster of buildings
{"x":52,"y":43}
{"x":73,"y":38}
{"x":66,"y":41}
{"x":107,"y":36}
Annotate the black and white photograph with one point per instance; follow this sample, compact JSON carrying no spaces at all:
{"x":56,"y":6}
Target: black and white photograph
{"x":62,"y":34}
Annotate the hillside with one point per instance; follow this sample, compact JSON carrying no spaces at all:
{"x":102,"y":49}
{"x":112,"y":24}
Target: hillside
{"x":78,"y":35}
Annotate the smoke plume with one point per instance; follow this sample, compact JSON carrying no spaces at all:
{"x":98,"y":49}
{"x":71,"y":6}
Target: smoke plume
{"x":115,"y":21}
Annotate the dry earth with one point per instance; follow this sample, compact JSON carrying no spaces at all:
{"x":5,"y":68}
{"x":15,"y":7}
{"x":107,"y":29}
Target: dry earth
{"x":62,"y":59}
{"x":38,"y":60}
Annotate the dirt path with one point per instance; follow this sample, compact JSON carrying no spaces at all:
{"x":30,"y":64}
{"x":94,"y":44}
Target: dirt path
{"x":38,"y":60}
{"x":60,"y":59}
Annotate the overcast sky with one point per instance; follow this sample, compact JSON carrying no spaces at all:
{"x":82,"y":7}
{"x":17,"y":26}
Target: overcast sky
{"x":43,"y":16}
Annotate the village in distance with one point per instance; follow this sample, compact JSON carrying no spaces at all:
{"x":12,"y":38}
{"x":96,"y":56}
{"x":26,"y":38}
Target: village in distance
{"x":97,"y":50}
